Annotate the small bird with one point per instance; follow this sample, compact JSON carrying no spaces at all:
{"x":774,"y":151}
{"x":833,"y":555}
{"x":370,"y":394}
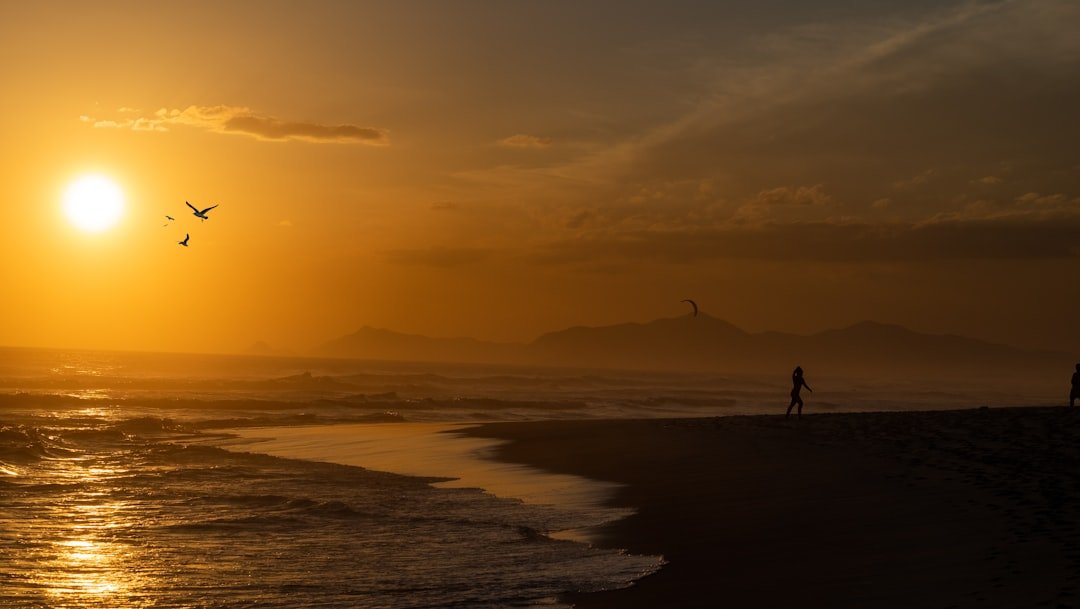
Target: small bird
{"x":170,"y":219}
{"x":184,"y":242}
{"x":200,"y":213}
{"x":693,"y":304}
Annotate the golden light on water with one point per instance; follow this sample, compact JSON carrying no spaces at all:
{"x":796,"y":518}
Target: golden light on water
{"x":85,"y":564}
{"x":93,"y":203}
{"x":86,"y":568}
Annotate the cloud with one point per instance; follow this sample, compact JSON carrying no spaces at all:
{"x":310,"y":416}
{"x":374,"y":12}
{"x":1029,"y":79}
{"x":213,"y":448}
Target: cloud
{"x":243,"y":121}
{"x":783,"y":201}
{"x":522,"y":140}
{"x":865,"y":106}
{"x":139,"y":124}
{"x":827,"y":242}
{"x":987,"y":181}
{"x":788,"y":195}
{"x":438,"y":257}
{"x":269,"y":128}
{"x":915,"y":180}
{"x":805,"y":224}
{"x":580,"y":219}
{"x":1037,"y":200}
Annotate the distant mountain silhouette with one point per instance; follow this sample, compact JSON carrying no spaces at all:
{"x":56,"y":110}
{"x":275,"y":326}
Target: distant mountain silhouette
{"x":261,"y":348}
{"x":705,"y":343}
{"x":375,"y":343}
{"x":677,"y":342}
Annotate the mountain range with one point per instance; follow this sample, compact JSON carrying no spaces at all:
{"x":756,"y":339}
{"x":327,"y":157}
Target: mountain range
{"x":705,"y":343}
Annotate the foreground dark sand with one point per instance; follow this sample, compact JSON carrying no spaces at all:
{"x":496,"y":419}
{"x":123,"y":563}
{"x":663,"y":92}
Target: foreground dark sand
{"x":975,"y":508}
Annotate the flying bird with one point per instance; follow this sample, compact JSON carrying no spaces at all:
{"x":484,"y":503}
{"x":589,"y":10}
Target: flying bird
{"x":170,"y":219}
{"x":200,"y":213}
{"x":184,"y":242}
{"x":693,"y":304}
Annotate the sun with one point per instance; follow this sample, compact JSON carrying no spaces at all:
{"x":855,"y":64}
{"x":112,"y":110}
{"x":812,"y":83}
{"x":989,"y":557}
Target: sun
{"x":93,"y":203}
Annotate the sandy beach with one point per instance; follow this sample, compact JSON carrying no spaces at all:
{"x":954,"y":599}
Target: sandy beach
{"x":971,"y":508}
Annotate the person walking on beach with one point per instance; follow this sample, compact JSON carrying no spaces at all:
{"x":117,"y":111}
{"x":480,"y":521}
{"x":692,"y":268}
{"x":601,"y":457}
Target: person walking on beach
{"x":798,"y":382}
{"x":1075,"y":393}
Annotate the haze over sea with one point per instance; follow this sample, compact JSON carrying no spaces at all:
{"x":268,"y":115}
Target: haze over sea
{"x":162,"y":480}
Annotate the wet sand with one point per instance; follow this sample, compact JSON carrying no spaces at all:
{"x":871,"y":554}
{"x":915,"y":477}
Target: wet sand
{"x":971,"y":508}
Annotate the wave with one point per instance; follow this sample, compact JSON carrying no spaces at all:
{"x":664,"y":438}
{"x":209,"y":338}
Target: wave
{"x":306,"y":418}
{"x":264,"y":510}
{"x":149,"y":425}
{"x":21,"y":445}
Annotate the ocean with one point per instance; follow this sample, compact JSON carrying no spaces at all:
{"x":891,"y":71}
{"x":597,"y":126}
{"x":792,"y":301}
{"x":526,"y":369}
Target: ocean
{"x":163,"y":480}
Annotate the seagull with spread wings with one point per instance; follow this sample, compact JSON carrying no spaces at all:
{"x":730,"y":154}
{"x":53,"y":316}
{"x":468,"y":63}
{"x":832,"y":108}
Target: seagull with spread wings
{"x":200,"y":213}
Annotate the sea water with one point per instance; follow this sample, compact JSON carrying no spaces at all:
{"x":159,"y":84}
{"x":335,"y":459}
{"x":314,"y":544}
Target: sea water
{"x":141,"y":480}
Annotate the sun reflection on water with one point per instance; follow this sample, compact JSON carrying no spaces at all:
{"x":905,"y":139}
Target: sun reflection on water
{"x":84,"y":567}
{"x":82,"y":562}
{"x":84,"y":570}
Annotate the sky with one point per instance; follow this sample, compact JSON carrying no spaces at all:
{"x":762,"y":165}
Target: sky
{"x":503,"y":169}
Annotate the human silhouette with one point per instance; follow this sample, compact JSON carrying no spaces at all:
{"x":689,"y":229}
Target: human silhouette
{"x":797,"y":383}
{"x":1075,"y":393}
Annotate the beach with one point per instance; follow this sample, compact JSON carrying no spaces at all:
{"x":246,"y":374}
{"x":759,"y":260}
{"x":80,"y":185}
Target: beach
{"x":475,"y":488}
{"x":963,"y":508}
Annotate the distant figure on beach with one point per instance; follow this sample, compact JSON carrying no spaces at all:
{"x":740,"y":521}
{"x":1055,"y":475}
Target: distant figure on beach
{"x":797,"y":383}
{"x":1075,"y":393}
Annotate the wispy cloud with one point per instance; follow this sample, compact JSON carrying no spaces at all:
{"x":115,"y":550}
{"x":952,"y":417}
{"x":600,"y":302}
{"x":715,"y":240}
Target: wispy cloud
{"x":788,"y":195}
{"x":438,"y":257}
{"x":1056,"y":200}
{"x":782,"y":201}
{"x":1015,"y":239}
{"x":861,"y":106}
{"x":522,"y":140}
{"x":243,"y":121}
{"x":914,"y":181}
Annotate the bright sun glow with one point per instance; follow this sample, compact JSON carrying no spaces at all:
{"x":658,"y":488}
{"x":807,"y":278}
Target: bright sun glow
{"x":93,"y":203}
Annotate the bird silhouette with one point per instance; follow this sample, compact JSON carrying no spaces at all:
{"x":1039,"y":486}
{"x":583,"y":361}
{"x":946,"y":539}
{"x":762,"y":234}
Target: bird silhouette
{"x":184,"y":242}
{"x":693,"y":304}
{"x":170,"y":219}
{"x":200,"y":213}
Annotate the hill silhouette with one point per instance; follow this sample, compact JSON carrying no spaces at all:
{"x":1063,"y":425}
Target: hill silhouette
{"x":376,"y":343}
{"x":705,"y":343}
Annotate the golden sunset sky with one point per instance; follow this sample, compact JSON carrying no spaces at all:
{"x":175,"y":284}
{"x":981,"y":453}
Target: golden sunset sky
{"x":502,"y":169}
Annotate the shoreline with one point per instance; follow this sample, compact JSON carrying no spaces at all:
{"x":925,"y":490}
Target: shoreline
{"x":960,"y":508}
{"x":444,"y":455}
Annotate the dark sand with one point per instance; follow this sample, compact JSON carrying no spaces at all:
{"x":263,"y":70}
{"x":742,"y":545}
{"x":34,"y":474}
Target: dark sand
{"x":974,"y":508}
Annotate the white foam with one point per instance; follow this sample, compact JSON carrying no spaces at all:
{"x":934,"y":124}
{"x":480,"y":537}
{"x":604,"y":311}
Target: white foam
{"x":434,"y":450}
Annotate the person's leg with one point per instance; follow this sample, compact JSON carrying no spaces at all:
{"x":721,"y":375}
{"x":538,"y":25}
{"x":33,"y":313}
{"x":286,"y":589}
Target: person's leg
{"x":800,"y":408}
{"x":790,"y":406}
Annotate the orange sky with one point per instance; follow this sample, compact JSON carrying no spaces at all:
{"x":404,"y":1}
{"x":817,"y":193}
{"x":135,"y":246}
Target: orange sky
{"x":501,"y":169}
